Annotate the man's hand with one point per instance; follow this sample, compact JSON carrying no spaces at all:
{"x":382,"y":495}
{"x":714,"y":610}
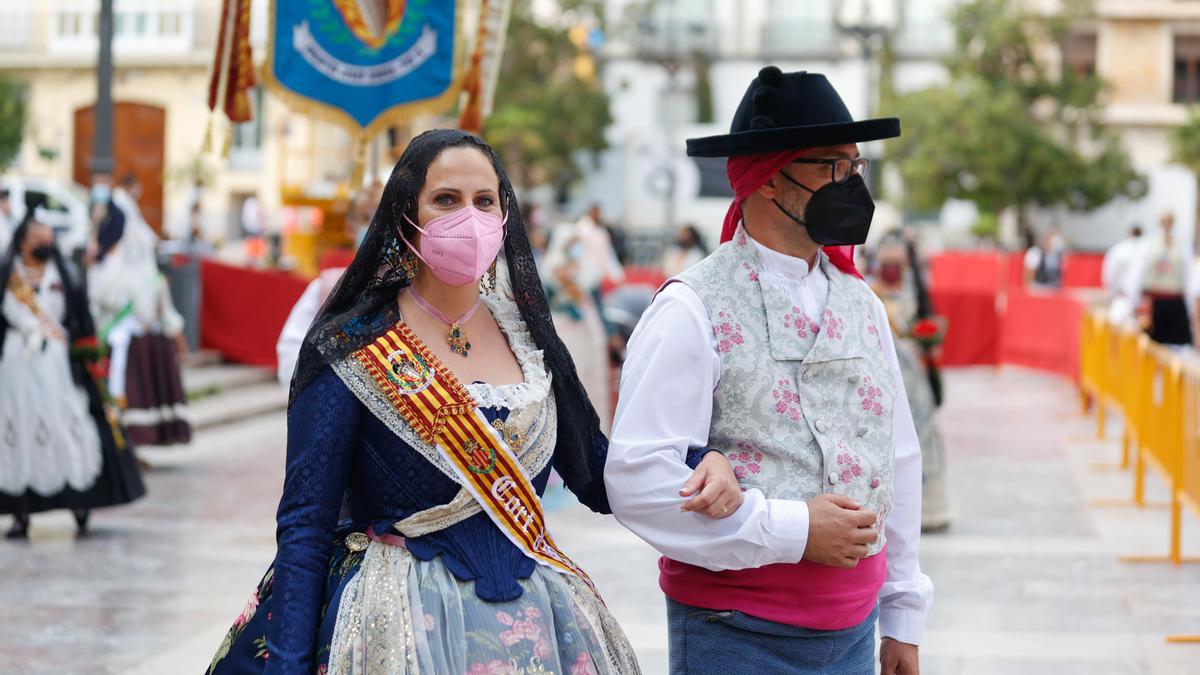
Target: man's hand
{"x":839,"y":531}
{"x":716,"y":488}
{"x":898,"y":658}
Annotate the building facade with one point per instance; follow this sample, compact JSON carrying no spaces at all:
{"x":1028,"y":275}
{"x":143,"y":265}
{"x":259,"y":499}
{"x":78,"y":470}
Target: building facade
{"x":680,"y":71}
{"x":162,"y":54}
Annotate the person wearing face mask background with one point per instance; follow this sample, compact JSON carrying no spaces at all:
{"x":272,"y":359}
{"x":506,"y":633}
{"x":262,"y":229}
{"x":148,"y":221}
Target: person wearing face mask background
{"x":136,"y":318}
{"x":432,"y":398}
{"x":774,"y":353}
{"x":579,"y":258}
{"x":58,"y":449}
{"x":896,"y":281}
{"x":287,"y":347}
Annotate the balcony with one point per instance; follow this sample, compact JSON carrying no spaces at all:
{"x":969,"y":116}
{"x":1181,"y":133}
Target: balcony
{"x":63,"y":33}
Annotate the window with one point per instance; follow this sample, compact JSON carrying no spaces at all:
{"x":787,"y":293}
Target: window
{"x":793,"y":28}
{"x":139,"y":26}
{"x":1187,"y":69}
{"x":1079,"y":54}
{"x":246,"y":152}
{"x":73,"y":25}
{"x":677,"y":27}
{"x":925,"y":28}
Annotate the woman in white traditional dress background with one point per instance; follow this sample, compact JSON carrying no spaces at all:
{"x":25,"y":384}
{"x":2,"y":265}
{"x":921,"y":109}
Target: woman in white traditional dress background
{"x":131,"y":302}
{"x":52,"y":425}
{"x":895,"y":281}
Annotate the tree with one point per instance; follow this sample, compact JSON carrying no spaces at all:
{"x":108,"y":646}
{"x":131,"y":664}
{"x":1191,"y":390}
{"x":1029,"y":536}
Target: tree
{"x":12,"y":119}
{"x":1006,"y":132}
{"x":548,"y":104}
{"x":1185,"y":149}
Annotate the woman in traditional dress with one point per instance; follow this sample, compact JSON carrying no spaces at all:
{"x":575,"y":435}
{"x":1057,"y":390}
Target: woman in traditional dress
{"x":898,"y":283}
{"x":57,"y":447}
{"x":579,"y":258}
{"x":687,"y":250}
{"x":138,"y":321}
{"x":431,"y":399}
{"x":577,"y":321}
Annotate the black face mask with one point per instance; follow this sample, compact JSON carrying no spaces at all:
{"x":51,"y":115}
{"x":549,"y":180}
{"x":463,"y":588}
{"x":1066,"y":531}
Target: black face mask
{"x":43,"y":253}
{"x":838,"y":214}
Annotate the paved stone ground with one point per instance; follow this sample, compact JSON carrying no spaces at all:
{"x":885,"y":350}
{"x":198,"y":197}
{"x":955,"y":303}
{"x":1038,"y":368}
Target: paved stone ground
{"x":1027,"y":579}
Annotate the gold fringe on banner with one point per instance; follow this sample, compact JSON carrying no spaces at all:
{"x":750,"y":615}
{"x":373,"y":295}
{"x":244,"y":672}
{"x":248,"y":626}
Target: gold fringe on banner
{"x":471,"y":118}
{"x":397,"y":114}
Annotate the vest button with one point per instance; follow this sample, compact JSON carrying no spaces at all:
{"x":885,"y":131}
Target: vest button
{"x":855,"y":378}
{"x":875,"y":482}
{"x":861,"y":431}
{"x":807,"y":376}
{"x":833,"y":478}
{"x":820,"y":425}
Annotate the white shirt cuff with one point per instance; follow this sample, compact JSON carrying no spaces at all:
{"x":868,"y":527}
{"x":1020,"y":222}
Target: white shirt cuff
{"x":902,"y":624}
{"x":788,"y":519}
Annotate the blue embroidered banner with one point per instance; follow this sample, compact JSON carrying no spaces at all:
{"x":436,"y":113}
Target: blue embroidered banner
{"x":366,"y":62}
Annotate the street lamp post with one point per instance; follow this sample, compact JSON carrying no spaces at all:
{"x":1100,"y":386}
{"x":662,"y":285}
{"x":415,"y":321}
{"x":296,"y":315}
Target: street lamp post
{"x":870,"y":23}
{"x":102,"y":114}
{"x":669,"y":43}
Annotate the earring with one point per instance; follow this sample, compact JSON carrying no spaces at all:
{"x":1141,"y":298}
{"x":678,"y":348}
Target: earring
{"x":489,"y":280}
{"x":409,"y":267}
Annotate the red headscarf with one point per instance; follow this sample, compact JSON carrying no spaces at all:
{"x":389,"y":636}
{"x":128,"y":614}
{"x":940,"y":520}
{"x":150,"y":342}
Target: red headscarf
{"x":747,"y":173}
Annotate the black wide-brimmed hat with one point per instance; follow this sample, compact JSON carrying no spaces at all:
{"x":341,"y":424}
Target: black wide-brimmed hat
{"x":790,"y":111}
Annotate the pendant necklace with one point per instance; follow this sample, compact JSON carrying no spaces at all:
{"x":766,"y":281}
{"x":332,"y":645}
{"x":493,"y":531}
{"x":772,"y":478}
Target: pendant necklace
{"x":456,"y":337}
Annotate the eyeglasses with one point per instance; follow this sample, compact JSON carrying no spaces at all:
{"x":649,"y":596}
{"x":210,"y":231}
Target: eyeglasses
{"x":841,"y":168}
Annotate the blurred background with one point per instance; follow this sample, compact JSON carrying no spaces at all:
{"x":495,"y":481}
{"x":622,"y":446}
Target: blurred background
{"x":1044,"y":192}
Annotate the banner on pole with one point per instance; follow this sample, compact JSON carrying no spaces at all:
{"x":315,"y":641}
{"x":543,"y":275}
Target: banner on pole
{"x":366,"y":63}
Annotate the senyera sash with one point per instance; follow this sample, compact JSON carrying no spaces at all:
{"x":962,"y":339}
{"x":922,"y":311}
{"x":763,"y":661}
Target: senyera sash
{"x":437,"y":406}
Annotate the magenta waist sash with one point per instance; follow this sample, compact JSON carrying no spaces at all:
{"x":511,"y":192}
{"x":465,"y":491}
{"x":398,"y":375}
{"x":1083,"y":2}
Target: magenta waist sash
{"x":803,"y":594}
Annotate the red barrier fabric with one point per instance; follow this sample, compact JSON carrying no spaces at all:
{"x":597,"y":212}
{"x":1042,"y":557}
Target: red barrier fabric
{"x":979,"y":271}
{"x":243,"y":310}
{"x":1041,"y":330}
{"x":992,"y":319}
{"x":972,"y":326}
{"x":335,"y":257}
{"x":1082,"y":270}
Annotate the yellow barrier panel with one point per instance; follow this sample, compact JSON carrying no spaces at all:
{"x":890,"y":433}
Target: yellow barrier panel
{"x":1123,"y":377}
{"x":1108,"y":370}
{"x":1187,"y":489}
{"x":1159,"y":399}
{"x":1089,"y":387}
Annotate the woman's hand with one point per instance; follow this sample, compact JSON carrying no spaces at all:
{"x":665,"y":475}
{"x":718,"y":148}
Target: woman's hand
{"x":716,"y":489}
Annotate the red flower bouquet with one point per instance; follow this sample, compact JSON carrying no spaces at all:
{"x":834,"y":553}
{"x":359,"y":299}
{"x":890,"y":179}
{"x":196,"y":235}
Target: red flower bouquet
{"x":929,"y":331}
{"x":88,"y":349}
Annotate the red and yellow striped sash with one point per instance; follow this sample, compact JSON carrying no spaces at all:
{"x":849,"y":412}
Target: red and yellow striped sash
{"x":442,"y":412}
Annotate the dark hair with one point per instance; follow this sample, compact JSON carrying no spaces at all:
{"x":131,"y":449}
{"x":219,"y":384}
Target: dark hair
{"x":411,"y":176}
{"x":697,"y":238}
{"x":363,"y":304}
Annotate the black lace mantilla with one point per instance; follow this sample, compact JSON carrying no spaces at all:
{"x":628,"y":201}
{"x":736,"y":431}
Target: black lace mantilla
{"x":363,"y":304}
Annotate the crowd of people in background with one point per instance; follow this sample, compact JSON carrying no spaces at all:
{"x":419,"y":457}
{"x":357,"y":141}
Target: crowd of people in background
{"x":90,"y":358}
{"x":1149,"y":278}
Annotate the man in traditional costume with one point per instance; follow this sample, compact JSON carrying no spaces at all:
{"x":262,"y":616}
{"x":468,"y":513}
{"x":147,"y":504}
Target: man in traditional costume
{"x":775,"y":353}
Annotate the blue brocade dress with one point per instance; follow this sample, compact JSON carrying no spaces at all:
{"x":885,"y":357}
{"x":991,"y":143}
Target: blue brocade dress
{"x":456,"y":596}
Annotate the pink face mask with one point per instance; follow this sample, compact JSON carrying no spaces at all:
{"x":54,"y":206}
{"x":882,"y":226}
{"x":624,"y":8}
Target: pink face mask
{"x":460,"y":246}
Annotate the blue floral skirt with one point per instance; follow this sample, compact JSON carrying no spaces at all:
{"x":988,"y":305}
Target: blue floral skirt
{"x":385,"y":611}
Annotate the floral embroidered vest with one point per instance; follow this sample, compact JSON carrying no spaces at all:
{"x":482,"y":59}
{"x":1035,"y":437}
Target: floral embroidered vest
{"x":804,"y":404}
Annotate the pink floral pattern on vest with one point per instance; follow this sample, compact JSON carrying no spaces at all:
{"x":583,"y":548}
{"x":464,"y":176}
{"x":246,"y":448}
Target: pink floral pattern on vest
{"x":804,"y":405}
